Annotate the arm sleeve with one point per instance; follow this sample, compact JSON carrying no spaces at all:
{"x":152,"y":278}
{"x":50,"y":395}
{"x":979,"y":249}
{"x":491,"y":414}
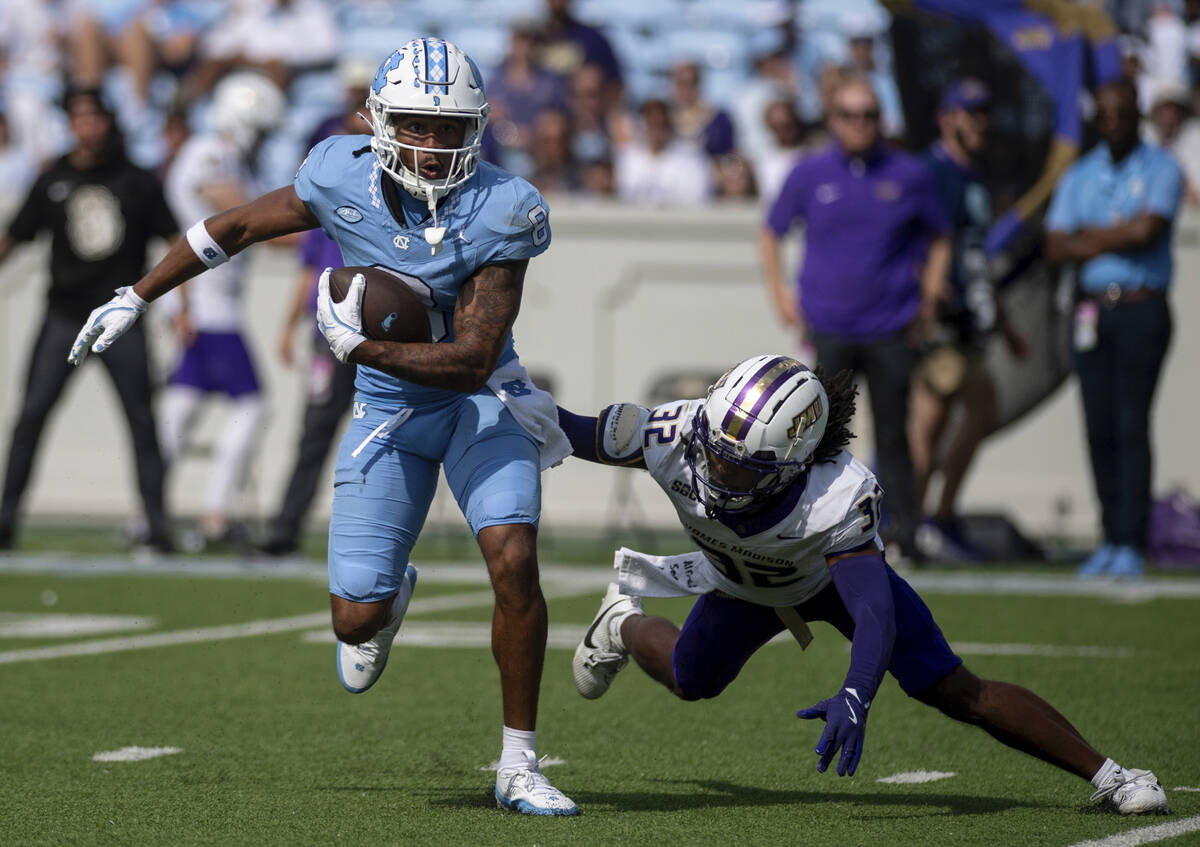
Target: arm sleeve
{"x":1165,"y":190}
{"x":581,"y":432}
{"x":862,"y":583}
{"x":1061,"y":215}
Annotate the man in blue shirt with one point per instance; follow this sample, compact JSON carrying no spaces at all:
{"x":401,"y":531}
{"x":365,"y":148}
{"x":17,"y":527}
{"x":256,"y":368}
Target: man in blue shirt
{"x":876,"y":257}
{"x":1112,"y":214}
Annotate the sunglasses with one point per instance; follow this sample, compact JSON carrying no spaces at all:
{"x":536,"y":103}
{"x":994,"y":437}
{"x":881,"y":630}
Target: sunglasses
{"x":865,"y":115}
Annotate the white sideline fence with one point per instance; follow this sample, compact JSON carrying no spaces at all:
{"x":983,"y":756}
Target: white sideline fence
{"x":622,"y":298}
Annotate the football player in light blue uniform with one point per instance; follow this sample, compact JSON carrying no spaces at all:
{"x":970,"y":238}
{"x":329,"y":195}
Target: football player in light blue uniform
{"x":414,"y":200}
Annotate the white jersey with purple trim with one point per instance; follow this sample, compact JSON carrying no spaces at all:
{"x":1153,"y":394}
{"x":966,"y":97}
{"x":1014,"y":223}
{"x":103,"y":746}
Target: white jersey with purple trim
{"x":214,"y":297}
{"x":778,"y":557}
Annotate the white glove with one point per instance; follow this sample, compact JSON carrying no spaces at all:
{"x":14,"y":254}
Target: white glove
{"x":341,"y":323}
{"x":106,"y":324}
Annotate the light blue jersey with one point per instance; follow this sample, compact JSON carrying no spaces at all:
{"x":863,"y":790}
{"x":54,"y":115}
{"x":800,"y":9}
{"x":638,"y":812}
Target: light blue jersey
{"x":495,"y":217}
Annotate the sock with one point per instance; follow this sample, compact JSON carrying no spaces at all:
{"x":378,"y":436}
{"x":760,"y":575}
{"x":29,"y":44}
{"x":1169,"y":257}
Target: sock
{"x":1106,"y":770}
{"x":515,"y":744}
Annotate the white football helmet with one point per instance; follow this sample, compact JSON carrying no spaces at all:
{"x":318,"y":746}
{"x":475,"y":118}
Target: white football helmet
{"x":245,"y":106}
{"x":427,"y":76}
{"x":755,"y":433}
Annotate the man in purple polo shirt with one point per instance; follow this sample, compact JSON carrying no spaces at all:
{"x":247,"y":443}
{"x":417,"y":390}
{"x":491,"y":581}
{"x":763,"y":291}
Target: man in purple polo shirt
{"x":877,"y":253}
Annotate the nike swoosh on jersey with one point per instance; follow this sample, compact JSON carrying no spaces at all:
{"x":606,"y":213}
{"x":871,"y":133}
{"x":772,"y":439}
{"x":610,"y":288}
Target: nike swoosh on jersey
{"x":587,"y":639}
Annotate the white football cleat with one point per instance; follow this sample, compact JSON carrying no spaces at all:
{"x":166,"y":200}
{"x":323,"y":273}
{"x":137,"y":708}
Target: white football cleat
{"x":601,"y":654}
{"x":1130,"y":791}
{"x":359,"y":665}
{"x":525,"y":789}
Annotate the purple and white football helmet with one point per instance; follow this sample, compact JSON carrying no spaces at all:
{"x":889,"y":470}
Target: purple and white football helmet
{"x":755,"y":433}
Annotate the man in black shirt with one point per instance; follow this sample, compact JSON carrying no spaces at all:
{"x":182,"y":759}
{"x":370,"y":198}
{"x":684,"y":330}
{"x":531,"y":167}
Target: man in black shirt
{"x":101,"y":211}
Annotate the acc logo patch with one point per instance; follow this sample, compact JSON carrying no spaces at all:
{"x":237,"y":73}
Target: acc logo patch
{"x":349,"y":214}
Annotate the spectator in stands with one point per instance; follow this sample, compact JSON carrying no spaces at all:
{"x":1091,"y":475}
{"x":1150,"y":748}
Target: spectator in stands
{"x":592,"y":117}
{"x":1165,"y":55}
{"x":876,"y":256}
{"x":951,"y":374}
{"x":1173,"y":127}
{"x":787,"y":145}
{"x":101,"y":212}
{"x":177,"y":27}
{"x":598,"y":178}
{"x":30,"y":78}
{"x":773,"y":78}
{"x":1112,"y":214}
{"x":734,"y":177}
{"x":278,"y":38}
{"x":518,"y":91}
{"x":554,"y":170}
{"x":104,"y":34}
{"x":860,"y":37}
{"x":659,"y":169}
{"x":695,"y":119}
{"x":330,"y":392}
{"x":567,"y":44}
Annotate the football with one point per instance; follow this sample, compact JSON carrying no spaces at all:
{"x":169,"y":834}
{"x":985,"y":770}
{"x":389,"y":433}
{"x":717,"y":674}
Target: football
{"x":391,"y":310}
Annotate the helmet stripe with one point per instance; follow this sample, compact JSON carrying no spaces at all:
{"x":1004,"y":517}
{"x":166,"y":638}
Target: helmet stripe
{"x":755,"y":393}
{"x":435,"y":64}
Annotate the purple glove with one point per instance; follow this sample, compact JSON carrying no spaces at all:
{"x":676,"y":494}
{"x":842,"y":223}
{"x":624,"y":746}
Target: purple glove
{"x":845,"y":719}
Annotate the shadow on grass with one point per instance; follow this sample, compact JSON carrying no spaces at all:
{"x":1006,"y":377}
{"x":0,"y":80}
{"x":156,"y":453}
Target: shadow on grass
{"x":708,"y":794}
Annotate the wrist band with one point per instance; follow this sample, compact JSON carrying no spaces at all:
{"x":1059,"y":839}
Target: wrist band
{"x":205,"y":247}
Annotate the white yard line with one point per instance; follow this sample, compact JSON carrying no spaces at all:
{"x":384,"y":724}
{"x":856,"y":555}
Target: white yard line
{"x":135,"y":754}
{"x":1146,"y":834}
{"x":165,"y":639}
{"x":465,"y":600}
{"x":451,"y":634}
{"x":597,"y":575}
{"x":914,"y":777}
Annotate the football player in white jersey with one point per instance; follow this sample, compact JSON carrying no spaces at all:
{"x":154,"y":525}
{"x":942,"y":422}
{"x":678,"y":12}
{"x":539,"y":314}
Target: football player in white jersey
{"x":414,"y":198}
{"x":786,"y":521}
{"x":211,"y":173}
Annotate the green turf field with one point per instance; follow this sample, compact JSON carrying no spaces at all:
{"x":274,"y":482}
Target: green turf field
{"x":273,"y":751}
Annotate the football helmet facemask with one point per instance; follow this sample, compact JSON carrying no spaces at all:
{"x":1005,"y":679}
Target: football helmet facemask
{"x":427,"y":76}
{"x":755,"y":433}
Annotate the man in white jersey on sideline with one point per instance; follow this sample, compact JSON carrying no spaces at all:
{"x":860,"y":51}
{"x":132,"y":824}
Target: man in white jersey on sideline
{"x":787,"y":522}
{"x":413,"y":198}
{"x":211,"y":173}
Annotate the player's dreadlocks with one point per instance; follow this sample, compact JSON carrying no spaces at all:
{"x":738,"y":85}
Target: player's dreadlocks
{"x":841,"y":391}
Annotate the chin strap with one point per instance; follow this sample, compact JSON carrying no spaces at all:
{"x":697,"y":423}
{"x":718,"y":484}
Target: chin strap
{"x":433,"y":234}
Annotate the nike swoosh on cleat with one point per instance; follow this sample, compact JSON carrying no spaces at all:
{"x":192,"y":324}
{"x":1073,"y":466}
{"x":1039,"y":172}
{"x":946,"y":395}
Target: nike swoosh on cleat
{"x":587,"y":639}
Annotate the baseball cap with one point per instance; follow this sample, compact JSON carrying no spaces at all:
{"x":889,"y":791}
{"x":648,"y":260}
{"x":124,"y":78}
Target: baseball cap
{"x":965,"y":94}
